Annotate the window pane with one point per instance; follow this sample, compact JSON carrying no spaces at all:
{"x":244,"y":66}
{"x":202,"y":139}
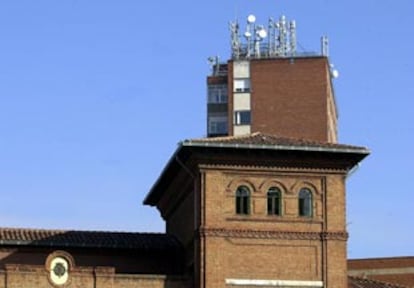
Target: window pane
{"x":302,"y":211}
{"x":238,"y":205}
{"x":241,"y":85}
{"x":245,"y":117}
{"x":245,"y":208}
{"x":242,"y":200}
{"x":217,"y":93}
{"x":274,"y":201}
{"x":305,"y":202}
{"x":276,"y":206}
{"x":218,"y":127}
{"x":242,"y":117}
{"x":269,"y":206}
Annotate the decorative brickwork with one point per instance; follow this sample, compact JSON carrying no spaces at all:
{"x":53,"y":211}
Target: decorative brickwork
{"x":283,"y":235}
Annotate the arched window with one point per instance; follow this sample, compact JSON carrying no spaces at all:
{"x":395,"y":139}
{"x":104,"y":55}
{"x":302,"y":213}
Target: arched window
{"x":305,"y":202}
{"x":243,"y":200}
{"x":274,"y":201}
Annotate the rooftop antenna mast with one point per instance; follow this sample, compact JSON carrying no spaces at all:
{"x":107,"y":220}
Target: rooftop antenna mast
{"x":272,"y":37}
{"x":292,"y":37}
{"x":281,"y":25}
{"x":325,"y":46}
{"x":281,"y":43}
{"x":249,"y":34}
{"x":235,"y":40}
{"x":260,"y":34}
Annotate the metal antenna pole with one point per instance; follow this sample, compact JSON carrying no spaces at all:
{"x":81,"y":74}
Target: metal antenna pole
{"x":292,"y":31}
{"x":325,"y":46}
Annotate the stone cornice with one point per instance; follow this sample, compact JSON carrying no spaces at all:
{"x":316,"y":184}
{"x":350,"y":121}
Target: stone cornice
{"x":263,"y":234}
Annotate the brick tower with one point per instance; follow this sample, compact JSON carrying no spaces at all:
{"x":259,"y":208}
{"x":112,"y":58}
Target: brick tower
{"x":261,"y":202}
{"x":271,"y":88}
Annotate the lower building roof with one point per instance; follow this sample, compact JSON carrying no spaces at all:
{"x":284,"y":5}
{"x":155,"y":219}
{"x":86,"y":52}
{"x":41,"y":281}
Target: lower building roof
{"x":88,"y":239}
{"x":359,"y":282}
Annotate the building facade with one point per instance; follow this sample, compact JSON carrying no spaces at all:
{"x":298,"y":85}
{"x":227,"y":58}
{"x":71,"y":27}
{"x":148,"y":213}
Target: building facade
{"x":268,"y":86}
{"x":287,"y":96}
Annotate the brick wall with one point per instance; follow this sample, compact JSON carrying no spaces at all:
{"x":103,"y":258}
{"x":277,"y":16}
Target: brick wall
{"x":96,"y":268}
{"x":261,"y":246}
{"x":24,"y":276}
{"x":290,"y":97}
{"x":124,"y":261}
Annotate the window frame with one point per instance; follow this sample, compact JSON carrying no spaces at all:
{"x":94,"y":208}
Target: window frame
{"x":239,"y":117}
{"x":305,"y":203}
{"x":217,"y":94}
{"x":241,"y":85}
{"x":242,"y":200}
{"x":274,"y":201}
{"x":218,"y":125}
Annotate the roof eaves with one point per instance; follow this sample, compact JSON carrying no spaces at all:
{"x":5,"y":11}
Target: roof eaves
{"x":46,"y":243}
{"x":309,"y":148}
{"x":170,"y":161}
{"x":15,"y":242}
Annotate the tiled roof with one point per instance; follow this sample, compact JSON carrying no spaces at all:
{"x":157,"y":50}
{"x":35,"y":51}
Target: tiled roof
{"x":358,"y":282}
{"x":87,"y":239}
{"x":261,"y":140}
{"x":378,"y":263}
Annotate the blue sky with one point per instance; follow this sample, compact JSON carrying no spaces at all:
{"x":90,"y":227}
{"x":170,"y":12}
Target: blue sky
{"x":95,"y":95}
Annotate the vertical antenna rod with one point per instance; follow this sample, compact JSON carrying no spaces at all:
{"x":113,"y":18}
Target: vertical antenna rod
{"x":325,"y":46}
{"x":282,"y":36}
{"x":292,"y":36}
{"x":271,"y":39}
{"x":235,"y":39}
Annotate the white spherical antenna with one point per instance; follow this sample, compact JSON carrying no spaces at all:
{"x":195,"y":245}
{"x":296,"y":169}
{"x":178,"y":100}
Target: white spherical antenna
{"x":251,"y":19}
{"x":247,"y":34}
{"x":262,"y":33}
{"x":335,"y":73}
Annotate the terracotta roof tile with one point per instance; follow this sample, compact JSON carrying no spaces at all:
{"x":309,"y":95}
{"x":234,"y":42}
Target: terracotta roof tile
{"x":358,"y":282}
{"x":89,"y":239}
{"x":261,"y":139}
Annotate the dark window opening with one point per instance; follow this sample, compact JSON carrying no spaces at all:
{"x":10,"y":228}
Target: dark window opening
{"x":274,"y":201}
{"x":243,"y":200}
{"x":305,"y":203}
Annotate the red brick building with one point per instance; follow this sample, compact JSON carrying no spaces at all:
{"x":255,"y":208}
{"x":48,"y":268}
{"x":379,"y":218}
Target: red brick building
{"x":292,"y":97}
{"x":261,"y":206}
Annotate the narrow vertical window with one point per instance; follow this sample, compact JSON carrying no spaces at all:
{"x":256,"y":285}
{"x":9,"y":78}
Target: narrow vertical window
{"x":274,"y":201}
{"x":243,"y":200}
{"x":305,"y":202}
